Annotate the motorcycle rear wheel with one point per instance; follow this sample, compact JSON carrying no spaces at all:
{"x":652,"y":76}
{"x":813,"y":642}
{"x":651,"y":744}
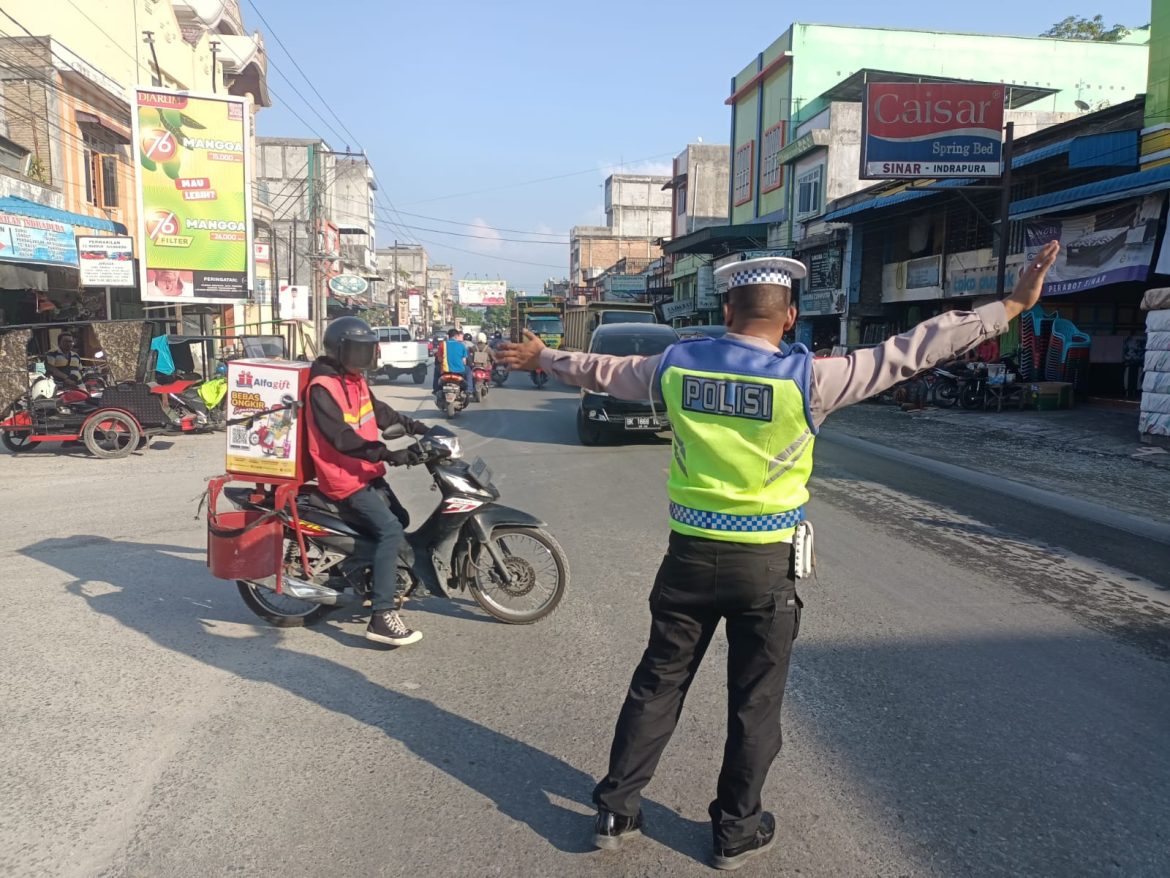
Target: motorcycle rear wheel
{"x":16,"y":442}
{"x":485,"y":583}
{"x":279,"y":610}
{"x":450,"y":410}
{"x":946,"y":393}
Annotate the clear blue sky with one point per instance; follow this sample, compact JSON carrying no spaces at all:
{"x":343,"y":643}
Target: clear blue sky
{"x":451,"y":97}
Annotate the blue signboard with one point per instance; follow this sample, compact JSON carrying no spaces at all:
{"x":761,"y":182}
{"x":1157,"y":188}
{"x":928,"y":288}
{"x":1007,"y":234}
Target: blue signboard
{"x":27,"y":239}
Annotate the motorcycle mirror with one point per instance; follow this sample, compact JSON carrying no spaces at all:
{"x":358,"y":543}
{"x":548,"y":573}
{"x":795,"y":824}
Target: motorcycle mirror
{"x":394,"y":431}
{"x":99,"y":355}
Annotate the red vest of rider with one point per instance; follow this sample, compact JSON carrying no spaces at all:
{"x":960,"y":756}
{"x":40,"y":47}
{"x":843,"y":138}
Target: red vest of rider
{"x":339,"y":475}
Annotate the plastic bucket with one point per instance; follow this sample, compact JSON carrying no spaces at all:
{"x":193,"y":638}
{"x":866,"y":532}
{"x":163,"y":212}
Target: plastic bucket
{"x":244,"y":544}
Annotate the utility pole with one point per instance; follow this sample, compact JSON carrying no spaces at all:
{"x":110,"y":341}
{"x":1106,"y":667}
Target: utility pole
{"x":1005,"y":203}
{"x":316,"y":290}
{"x":394,"y":295}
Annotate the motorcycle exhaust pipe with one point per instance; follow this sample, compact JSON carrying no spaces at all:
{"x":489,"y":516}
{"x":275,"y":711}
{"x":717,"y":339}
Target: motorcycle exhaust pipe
{"x":309,"y":591}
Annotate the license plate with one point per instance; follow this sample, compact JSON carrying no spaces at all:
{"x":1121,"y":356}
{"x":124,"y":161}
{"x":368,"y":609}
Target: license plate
{"x":642,"y":424}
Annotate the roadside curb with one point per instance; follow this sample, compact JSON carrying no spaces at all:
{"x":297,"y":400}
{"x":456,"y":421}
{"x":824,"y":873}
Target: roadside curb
{"x":1074,"y":506}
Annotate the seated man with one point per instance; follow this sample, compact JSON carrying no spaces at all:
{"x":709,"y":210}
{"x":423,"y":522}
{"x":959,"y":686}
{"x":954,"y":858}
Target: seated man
{"x":63,"y":364}
{"x":344,"y":424}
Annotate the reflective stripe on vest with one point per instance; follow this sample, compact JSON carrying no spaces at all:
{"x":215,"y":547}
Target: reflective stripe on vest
{"x":743,"y":439}
{"x":339,"y":475}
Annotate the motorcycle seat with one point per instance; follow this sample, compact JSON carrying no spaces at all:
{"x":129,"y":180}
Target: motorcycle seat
{"x":313,"y":497}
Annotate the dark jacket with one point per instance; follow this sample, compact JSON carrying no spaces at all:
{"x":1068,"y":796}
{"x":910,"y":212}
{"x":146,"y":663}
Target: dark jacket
{"x":339,"y":434}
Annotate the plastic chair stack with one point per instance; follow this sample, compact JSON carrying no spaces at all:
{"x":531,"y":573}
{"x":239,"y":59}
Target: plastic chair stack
{"x":1068,"y":353}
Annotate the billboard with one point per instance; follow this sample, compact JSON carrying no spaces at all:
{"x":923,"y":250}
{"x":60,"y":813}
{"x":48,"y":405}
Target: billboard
{"x":1110,"y":245}
{"x":106,"y":260}
{"x":415,"y":304}
{"x":624,"y":288}
{"x":194,"y":196}
{"x":483,"y":292}
{"x":931,"y":129}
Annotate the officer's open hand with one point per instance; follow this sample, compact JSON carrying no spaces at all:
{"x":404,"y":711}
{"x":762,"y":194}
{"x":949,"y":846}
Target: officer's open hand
{"x":1031,"y":282}
{"x":524,"y":355}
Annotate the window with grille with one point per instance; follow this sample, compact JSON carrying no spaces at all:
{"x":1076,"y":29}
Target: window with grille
{"x":772,"y":172}
{"x":808,"y":192}
{"x":742,"y":169}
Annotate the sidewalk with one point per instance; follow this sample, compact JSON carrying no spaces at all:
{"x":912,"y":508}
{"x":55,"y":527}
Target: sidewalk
{"x":1089,"y":452}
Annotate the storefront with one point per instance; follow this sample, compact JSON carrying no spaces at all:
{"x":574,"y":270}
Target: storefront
{"x":821,"y":297}
{"x":40,"y":266}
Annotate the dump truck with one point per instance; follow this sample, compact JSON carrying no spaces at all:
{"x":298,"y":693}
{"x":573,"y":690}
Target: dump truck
{"x":544,"y":315}
{"x":581,"y":320}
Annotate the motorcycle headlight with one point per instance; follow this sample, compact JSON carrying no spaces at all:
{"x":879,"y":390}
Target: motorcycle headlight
{"x":448,"y":446}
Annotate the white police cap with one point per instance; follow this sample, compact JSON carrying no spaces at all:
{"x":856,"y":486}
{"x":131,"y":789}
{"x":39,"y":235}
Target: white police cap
{"x":763,"y":270}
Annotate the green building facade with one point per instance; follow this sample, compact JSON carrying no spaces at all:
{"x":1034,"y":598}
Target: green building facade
{"x":783,"y":86}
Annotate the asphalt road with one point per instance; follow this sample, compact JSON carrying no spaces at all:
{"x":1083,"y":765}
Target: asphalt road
{"x":979,"y":688}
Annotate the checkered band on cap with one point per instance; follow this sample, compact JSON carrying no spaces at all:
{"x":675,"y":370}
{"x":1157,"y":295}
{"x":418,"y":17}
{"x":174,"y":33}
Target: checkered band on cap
{"x":760,"y":276}
{"x":778,"y":270}
{"x":722,"y":521}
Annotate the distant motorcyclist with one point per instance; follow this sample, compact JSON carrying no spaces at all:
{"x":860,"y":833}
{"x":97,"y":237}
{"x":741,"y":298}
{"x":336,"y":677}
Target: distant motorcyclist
{"x":344,"y":424}
{"x":451,"y":358}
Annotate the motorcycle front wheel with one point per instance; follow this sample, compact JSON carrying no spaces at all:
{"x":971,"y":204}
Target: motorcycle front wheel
{"x":539,"y":570}
{"x":946,"y":393}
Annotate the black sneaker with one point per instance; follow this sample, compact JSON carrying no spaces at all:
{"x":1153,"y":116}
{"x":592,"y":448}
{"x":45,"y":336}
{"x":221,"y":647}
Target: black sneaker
{"x":612,"y":831}
{"x":732,"y":858}
{"x":387,"y":627}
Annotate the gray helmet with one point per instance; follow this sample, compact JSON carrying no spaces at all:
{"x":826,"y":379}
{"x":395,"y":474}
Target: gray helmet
{"x":351,"y":344}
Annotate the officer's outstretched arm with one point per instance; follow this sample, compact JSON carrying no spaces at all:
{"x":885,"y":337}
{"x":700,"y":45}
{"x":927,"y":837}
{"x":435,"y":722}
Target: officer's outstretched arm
{"x":623,"y":377}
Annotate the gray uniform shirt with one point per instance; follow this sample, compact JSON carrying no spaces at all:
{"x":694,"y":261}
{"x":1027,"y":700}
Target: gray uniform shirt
{"x":836,"y":381}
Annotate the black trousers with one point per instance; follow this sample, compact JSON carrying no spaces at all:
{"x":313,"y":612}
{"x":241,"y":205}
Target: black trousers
{"x":700,"y":582}
{"x":377,"y":512}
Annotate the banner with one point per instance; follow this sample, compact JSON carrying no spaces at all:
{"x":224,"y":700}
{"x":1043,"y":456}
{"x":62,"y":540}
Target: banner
{"x":624,"y":288}
{"x":27,"y":239}
{"x":293,"y":302}
{"x":194,"y":196}
{"x":106,"y":260}
{"x":1111,"y":245}
{"x":483,"y":292}
{"x":932,"y":130}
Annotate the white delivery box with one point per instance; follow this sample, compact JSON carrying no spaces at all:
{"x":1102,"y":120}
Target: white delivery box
{"x":272,"y":448}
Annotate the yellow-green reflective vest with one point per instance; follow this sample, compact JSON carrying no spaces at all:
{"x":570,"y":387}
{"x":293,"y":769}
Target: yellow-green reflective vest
{"x":743,"y":438}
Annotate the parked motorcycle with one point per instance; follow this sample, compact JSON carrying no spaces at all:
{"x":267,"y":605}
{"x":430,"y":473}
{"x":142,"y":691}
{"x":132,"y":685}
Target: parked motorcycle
{"x":483,"y":381}
{"x":512,"y":566}
{"x":500,"y":374}
{"x":539,"y":377}
{"x":452,"y":396}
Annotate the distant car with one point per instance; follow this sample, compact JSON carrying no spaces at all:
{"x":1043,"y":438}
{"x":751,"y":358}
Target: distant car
{"x":600,"y":416}
{"x":717,"y":331}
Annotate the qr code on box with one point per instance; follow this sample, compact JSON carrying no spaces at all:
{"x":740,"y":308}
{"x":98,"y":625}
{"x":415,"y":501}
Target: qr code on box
{"x":238,"y":437}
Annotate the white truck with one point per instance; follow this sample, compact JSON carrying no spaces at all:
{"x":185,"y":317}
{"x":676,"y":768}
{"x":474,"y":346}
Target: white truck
{"x":400,"y":354}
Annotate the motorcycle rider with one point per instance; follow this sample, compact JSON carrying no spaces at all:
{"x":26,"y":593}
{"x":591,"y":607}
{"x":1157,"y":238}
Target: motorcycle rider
{"x":344,"y":423}
{"x":451,"y":358}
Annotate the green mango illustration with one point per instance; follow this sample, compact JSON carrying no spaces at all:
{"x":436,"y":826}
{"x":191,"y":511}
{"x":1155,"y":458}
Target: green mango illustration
{"x":191,"y":123}
{"x":147,"y":162}
{"x":171,"y":118}
{"x":171,"y":168}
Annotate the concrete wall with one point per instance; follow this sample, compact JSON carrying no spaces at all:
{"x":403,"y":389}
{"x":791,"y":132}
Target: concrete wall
{"x":596,"y":251}
{"x":636,"y":204}
{"x":708,"y":170}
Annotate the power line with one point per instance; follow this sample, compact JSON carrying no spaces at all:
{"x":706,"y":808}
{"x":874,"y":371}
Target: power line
{"x":436,"y":219}
{"x":532,"y":182}
{"x":490,"y":256}
{"x":292,"y":58}
{"x":562,"y":243}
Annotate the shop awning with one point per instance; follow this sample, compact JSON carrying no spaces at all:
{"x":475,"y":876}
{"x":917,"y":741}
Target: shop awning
{"x":720,"y":240}
{"x":885,"y":201}
{"x":1125,"y":186}
{"x":23,"y":207}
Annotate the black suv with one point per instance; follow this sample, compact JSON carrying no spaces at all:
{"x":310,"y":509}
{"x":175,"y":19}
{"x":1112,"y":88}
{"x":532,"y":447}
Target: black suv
{"x":601,"y":417}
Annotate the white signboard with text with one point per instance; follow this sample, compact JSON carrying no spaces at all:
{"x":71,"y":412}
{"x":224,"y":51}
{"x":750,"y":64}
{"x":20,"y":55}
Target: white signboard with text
{"x":106,"y":260}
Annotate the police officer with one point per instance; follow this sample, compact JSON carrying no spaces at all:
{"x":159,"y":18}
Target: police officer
{"x":744,"y":410}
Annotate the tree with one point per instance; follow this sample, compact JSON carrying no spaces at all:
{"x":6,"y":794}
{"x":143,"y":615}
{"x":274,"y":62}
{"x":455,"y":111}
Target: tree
{"x":1081,"y":28}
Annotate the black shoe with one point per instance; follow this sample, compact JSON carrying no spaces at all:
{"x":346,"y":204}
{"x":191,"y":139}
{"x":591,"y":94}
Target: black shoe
{"x":387,"y":627}
{"x":734,"y":857}
{"x":612,"y":831}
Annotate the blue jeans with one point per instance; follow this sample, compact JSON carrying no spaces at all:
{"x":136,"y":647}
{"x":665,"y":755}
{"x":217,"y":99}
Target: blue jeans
{"x":370,"y":511}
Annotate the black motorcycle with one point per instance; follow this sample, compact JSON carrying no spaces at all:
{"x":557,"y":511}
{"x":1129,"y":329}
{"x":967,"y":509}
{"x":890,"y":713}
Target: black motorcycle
{"x":506,"y":559}
{"x":500,"y":373}
{"x":452,"y":396}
